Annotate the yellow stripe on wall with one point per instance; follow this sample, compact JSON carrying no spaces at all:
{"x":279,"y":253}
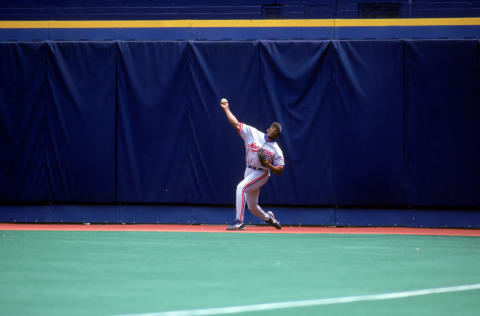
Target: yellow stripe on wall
{"x":237,"y":23}
{"x":407,"y":22}
{"x":24,"y":24}
{"x":165,"y":24}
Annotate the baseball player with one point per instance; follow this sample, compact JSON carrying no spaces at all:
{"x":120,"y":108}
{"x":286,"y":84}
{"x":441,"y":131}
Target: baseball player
{"x":263,"y":155}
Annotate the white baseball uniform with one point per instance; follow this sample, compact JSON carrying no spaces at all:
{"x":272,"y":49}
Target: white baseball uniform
{"x":255,"y":174}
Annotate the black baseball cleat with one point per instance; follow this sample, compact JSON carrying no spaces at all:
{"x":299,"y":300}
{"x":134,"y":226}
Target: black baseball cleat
{"x":238,"y":225}
{"x":272,"y":221}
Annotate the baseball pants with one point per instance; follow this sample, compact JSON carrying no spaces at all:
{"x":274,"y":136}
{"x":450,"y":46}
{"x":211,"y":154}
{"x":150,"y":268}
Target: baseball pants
{"x":248,"y":191}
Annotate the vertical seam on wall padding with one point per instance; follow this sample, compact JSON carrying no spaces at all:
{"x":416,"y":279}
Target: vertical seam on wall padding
{"x":259,"y":64}
{"x":49,"y":196}
{"x":478,"y":96}
{"x":404,"y":119}
{"x":45,"y":86}
{"x":189,"y":173}
{"x":331,"y":82}
{"x":116,"y":124}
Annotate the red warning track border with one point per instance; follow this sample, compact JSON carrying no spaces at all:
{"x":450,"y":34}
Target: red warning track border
{"x":249,"y":229}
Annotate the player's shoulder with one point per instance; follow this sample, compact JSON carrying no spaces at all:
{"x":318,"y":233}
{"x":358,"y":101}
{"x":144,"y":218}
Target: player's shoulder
{"x":245,"y":126}
{"x":249,"y":128}
{"x":277,"y":147}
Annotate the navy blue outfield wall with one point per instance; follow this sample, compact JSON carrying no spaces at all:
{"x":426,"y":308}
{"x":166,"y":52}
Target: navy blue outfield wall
{"x":199,"y":215}
{"x":57,"y":122}
{"x":406,"y":30}
{"x":228,"y":9}
{"x":367,"y":124}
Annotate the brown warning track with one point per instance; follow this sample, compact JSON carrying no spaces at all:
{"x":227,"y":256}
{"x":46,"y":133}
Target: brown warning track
{"x":249,"y":229}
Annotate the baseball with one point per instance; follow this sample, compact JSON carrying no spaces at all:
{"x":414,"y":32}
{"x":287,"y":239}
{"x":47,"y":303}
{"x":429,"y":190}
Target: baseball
{"x":223,"y":101}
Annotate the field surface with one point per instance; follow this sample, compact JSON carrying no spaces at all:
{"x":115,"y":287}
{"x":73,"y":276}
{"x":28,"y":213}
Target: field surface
{"x":149,"y":270}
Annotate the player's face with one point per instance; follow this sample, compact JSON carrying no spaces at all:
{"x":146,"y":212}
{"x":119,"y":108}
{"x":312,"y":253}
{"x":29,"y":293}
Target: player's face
{"x":272,"y":132}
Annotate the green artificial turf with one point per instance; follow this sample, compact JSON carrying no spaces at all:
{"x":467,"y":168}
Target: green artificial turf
{"x":47,"y":273}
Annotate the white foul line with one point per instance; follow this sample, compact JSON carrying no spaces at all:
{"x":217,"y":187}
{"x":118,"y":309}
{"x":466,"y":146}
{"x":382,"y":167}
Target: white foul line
{"x":323,"y":301}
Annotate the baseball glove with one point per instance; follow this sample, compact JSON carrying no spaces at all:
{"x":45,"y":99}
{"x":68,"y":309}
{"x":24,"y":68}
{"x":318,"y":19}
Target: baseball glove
{"x":261,"y":156}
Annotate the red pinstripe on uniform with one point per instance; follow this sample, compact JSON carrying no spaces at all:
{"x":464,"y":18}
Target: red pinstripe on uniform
{"x":243,"y":192}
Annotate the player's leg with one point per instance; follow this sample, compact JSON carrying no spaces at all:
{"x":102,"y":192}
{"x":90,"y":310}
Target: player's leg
{"x":273,"y":221}
{"x":240,"y":201}
{"x":253,"y":180}
{"x":252,"y":202}
{"x":240,"y":205}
